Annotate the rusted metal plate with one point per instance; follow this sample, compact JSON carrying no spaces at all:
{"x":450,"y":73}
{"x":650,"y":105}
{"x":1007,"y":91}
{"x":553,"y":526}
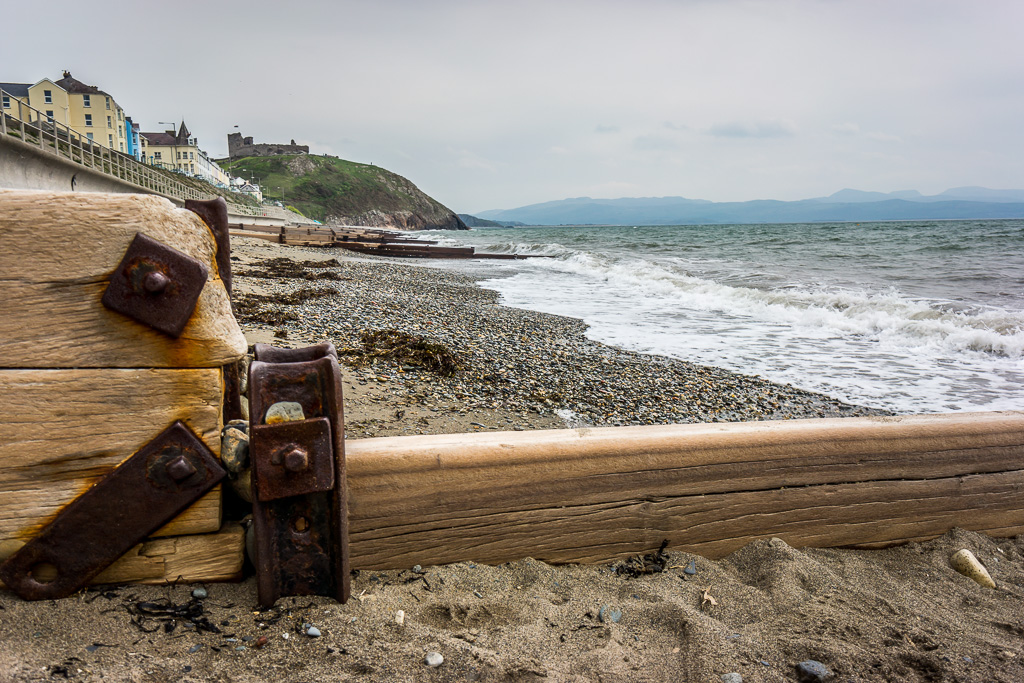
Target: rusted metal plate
{"x":138,"y":497}
{"x":156,"y":285}
{"x":273,"y":354}
{"x":301,"y":540}
{"x":214,"y":213}
{"x":292,"y":458}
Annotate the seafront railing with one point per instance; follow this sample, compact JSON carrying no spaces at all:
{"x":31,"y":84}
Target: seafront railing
{"x":34,"y":127}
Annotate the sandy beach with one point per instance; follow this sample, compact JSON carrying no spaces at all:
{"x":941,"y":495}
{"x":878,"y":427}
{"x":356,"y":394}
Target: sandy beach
{"x":895,"y":614}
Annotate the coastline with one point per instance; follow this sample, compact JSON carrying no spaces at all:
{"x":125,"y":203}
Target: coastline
{"x":519,"y":369}
{"x":867,"y":615}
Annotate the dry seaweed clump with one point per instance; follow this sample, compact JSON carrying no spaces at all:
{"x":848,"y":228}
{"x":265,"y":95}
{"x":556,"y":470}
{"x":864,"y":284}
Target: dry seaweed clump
{"x":402,"y":347}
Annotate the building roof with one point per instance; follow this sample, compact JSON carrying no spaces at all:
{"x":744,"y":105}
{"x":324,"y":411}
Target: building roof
{"x":73,"y":85}
{"x":16,"y":89}
{"x":168,"y":138}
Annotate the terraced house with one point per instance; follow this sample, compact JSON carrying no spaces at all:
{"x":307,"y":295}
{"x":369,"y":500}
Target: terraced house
{"x":89,"y":111}
{"x":179,"y":151}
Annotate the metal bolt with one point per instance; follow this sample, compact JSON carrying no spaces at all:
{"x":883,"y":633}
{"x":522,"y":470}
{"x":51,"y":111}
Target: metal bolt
{"x":179,"y":469}
{"x":156,"y":282}
{"x":296,"y":459}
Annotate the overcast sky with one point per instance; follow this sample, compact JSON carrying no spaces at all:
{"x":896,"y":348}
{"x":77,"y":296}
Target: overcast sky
{"x":496,"y":104}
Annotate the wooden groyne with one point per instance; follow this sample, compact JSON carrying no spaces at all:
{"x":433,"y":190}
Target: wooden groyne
{"x":374,"y":241}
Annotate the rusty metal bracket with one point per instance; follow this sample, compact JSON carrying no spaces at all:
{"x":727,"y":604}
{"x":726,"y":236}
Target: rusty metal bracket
{"x":156,"y":285}
{"x":214,"y":213}
{"x":300,"y":505}
{"x":138,"y":497}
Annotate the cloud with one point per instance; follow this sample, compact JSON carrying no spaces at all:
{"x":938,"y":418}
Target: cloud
{"x":655,"y":143}
{"x":465,"y":158}
{"x":601,"y":128}
{"x":846,"y":129}
{"x":676,"y":126}
{"x":854,"y":130}
{"x":882,"y":137}
{"x":754,"y":129}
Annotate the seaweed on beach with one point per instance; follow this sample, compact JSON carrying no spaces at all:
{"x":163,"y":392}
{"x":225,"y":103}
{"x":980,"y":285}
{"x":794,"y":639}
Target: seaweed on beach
{"x":641,"y":565}
{"x":168,"y":614}
{"x":402,"y":347}
{"x":287,"y":269}
{"x":251,"y":309}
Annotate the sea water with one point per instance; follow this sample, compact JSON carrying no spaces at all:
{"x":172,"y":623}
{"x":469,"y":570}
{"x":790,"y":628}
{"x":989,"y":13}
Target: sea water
{"x":923,"y":316}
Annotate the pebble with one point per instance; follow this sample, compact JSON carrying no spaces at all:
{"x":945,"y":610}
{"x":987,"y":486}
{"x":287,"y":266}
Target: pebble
{"x":284,"y":411}
{"x":417,"y":569}
{"x":731,"y":678}
{"x":242,"y":484}
{"x":200,"y":593}
{"x":195,"y":648}
{"x":811,"y":671}
{"x":967,"y":564}
{"x":609,"y":614}
{"x":234,"y":449}
{"x":433,"y":659}
{"x":400,"y":617}
{"x":515,"y":361}
{"x":691,"y":568}
{"x":313,"y":632}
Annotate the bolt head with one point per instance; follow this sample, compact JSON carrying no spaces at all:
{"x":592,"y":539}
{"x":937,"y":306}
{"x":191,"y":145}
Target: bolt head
{"x":296,"y":459}
{"x":179,"y":469}
{"x":156,"y":282}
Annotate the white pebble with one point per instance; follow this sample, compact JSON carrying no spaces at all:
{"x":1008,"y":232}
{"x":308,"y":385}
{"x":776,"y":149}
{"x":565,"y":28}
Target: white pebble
{"x":313,"y":632}
{"x":433,"y":659}
{"x":400,"y":617}
{"x":967,"y":564}
{"x":284,"y":411}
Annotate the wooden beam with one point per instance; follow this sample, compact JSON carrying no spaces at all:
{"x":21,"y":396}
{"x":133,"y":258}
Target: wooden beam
{"x":59,"y":251}
{"x":190,"y":559}
{"x":64,"y":430}
{"x":593,"y":495}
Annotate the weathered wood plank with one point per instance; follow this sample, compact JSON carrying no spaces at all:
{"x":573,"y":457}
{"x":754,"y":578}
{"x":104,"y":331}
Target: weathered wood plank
{"x":594,"y":495}
{"x":60,"y":249}
{"x":206,"y":557}
{"x":63,"y":430}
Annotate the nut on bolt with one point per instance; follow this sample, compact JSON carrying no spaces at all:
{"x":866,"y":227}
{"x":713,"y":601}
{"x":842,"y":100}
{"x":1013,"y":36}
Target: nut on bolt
{"x":296,"y":459}
{"x":179,"y":469}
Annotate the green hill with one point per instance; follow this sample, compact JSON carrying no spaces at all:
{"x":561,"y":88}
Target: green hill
{"x":335,"y":191}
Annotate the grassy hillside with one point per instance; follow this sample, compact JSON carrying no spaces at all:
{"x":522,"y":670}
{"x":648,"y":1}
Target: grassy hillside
{"x":333,"y":190}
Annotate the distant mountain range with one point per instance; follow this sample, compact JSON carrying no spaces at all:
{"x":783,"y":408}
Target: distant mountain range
{"x":845,"y":205}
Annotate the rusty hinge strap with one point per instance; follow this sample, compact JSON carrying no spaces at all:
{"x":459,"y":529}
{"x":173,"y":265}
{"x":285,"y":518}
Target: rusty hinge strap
{"x":214,"y":213}
{"x":300,"y":505}
{"x":138,"y":497}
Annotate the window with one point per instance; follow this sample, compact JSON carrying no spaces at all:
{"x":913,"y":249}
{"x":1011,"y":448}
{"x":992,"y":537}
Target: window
{"x":108,"y":103}
{"x":49,"y":115}
{"x":110,"y":141}
{"x":48,"y":96}
{"x":109,"y":124}
{"x":7,"y":102}
{"x":89,"y":135}
{"x":156,"y":154}
{"x":192,"y":155}
{"x":88,"y":119}
{"x":121,"y":145}
{"x":86,"y":100}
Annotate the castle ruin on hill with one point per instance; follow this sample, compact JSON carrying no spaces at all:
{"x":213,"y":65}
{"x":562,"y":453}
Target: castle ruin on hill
{"x":244,"y":147}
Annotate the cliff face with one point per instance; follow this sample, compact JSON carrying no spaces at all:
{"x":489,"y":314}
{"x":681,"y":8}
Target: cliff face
{"x":335,"y":191}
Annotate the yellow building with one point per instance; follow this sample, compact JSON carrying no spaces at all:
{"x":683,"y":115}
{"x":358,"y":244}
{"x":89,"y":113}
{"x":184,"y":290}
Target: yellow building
{"x":86,"y":109}
{"x":179,"y":151}
{"x":175,"y":151}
